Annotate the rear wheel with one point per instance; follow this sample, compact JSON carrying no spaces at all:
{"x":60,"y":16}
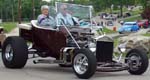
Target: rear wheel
{"x":14,"y":52}
{"x":138,"y":61}
{"x":84,"y":63}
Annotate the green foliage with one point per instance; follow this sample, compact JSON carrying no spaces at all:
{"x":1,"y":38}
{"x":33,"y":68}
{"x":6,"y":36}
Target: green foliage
{"x":146,"y":13}
{"x":116,"y":42}
{"x":83,"y":2}
{"x":8,"y":26}
{"x":100,"y":5}
{"x":9,"y":8}
{"x":107,"y":31}
{"x":133,"y":18}
{"x":144,"y":3}
{"x":148,"y":34}
{"x":136,"y":12}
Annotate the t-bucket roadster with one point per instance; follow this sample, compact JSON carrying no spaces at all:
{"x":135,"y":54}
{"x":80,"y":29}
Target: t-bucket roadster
{"x":84,"y":53}
{"x":71,"y":47}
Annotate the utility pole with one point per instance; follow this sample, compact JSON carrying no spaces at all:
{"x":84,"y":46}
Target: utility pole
{"x":19,"y":11}
{"x":111,"y":6}
{"x":13,"y":11}
{"x":121,"y":7}
{"x":1,"y":12}
{"x":33,"y":9}
{"x":1,"y":9}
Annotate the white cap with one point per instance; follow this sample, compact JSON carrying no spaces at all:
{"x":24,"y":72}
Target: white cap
{"x":44,"y":7}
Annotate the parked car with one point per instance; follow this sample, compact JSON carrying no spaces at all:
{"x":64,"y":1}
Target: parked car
{"x":110,"y":17}
{"x":124,"y":15}
{"x":110,"y":23}
{"x":127,"y":14}
{"x":103,"y":15}
{"x":128,"y":27}
{"x":143,"y":23}
{"x":121,"y":22}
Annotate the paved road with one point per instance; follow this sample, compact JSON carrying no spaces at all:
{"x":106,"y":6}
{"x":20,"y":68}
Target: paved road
{"x":54,"y":72}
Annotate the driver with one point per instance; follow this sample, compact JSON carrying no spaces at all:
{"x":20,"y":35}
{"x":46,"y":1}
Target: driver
{"x":44,"y":19}
{"x":64,"y":17}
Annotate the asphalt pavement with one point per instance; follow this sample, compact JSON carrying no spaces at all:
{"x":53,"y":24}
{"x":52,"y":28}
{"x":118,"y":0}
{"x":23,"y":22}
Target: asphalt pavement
{"x":54,"y":72}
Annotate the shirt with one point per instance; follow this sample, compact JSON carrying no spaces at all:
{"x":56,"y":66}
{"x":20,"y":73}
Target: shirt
{"x":67,"y":20}
{"x":46,"y":21}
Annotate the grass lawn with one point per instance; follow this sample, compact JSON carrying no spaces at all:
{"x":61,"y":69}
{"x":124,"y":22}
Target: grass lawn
{"x":8,"y":26}
{"x":116,"y":42}
{"x":108,"y":31}
{"x":136,"y":12}
{"x":147,"y":34}
{"x":133,"y":18}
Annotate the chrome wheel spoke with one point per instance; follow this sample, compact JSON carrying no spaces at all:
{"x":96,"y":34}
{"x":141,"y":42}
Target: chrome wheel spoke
{"x":9,"y":53}
{"x":81,"y":63}
{"x":134,"y":62}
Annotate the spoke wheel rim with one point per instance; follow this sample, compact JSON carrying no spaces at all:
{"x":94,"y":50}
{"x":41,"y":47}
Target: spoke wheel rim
{"x":9,"y":53}
{"x":80,"y":63}
{"x":134,"y":62}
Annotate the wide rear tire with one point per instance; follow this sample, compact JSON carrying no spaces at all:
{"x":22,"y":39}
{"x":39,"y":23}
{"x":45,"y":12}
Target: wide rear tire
{"x":14,"y":52}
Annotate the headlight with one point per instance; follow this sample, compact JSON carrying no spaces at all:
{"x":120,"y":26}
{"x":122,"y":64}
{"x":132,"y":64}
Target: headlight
{"x":93,"y":49}
{"x":92,"y":46}
{"x":122,"y":49}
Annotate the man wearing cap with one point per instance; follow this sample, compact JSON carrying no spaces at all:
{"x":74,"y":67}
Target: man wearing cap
{"x":44,"y":19}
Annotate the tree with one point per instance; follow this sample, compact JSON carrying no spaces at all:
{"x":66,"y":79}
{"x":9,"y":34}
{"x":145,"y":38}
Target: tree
{"x":1,"y":9}
{"x":143,"y":3}
{"x":146,"y":13}
{"x":9,"y":8}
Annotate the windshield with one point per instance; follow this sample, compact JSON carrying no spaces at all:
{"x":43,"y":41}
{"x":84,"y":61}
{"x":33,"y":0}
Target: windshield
{"x":129,"y":24}
{"x":52,"y":11}
{"x":79,"y":11}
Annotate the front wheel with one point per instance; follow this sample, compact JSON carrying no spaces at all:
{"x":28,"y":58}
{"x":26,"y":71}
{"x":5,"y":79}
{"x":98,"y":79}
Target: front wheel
{"x":84,"y":63}
{"x":137,"y":60}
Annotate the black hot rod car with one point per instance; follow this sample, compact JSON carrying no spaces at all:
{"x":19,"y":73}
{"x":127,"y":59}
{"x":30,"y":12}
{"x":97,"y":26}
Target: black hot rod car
{"x":71,"y":47}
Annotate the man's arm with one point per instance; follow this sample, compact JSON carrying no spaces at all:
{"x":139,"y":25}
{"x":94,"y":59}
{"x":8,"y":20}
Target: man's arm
{"x":43,"y":21}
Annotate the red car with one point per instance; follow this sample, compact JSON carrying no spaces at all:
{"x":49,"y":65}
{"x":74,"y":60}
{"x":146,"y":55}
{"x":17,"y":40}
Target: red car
{"x":143,"y":23}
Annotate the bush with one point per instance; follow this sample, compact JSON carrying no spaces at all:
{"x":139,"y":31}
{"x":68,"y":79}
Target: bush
{"x":146,"y":13}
